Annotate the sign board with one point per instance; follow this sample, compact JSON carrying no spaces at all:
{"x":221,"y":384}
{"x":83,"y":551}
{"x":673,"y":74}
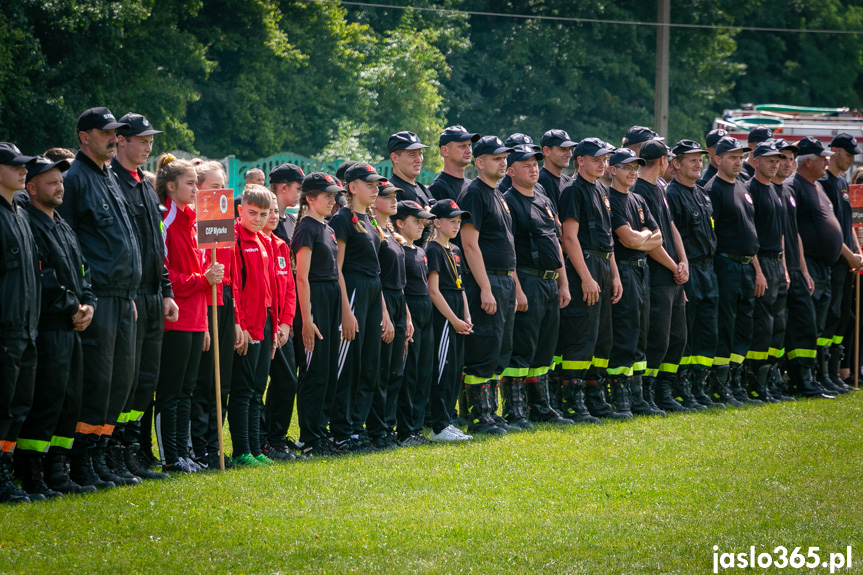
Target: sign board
{"x":215,"y":213}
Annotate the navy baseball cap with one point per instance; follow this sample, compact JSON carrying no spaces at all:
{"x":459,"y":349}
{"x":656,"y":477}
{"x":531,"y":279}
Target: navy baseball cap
{"x":404,"y":141}
{"x":786,"y":145}
{"x":522,"y":153}
{"x":766,"y":148}
{"x":592,"y":147}
{"x":490,"y":145}
{"x":448,"y":209}
{"x":713,"y":136}
{"x":730,"y":144}
{"x":10,"y":155}
{"x":557,"y":138}
{"x":519,"y":139}
{"x":811,"y":145}
{"x":687,"y":147}
{"x":625,"y":156}
{"x":340,"y":171}
{"x":411,"y":208}
{"x":286,"y":173}
{"x":98,"y":119}
{"x":653,"y":150}
{"x":321,"y":182}
{"x":457,"y":133}
{"x":138,"y":125}
{"x":848,"y":143}
{"x":364,"y":172}
{"x":41,"y":164}
{"x":638,"y":134}
{"x":758,"y":134}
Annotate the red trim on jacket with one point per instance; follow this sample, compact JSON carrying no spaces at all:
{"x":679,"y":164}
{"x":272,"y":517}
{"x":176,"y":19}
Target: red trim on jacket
{"x":182,"y":258}
{"x":250,"y":295}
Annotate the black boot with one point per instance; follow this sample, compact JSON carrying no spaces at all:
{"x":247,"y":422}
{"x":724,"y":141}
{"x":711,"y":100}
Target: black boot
{"x":116,"y":461}
{"x":776,"y":385}
{"x":821,"y":378}
{"x":32,"y":475}
{"x":803,"y":384}
{"x":57,"y":476}
{"x":698,"y":387}
{"x":554,"y":383}
{"x":493,"y":391}
{"x":719,"y":389}
{"x":834,"y":359}
{"x":594,"y":400}
{"x":479,"y":410}
{"x":539,"y":402}
{"x":648,"y":387}
{"x":682,"y":392}
{"x":638,"y":405}
{"x":81,"y":469}
{"x":130,"y":454}
{"x":756,"y":384}
{"x":98,"y":456}
{"x":572,"y":402}
{"x":665,"y":398}
{"x":9,"y":493}
{"x":738,"y":387}
{"x":514,"y":402}
{"x":618,"y":386}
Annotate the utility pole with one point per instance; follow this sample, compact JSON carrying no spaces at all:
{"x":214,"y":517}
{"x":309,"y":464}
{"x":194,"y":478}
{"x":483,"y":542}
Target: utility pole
{"x":663,"y":33}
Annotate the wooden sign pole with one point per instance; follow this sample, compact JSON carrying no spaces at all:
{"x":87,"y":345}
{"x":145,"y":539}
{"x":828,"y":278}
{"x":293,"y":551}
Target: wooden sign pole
{"x":856,"y":366}
{"x":215,"y":345}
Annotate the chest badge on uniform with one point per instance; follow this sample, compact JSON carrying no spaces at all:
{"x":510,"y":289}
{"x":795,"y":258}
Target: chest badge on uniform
{"x":506,"y":207}
{"x":845,"y":196}
{"x":281,"y":262}
{"x":748,"y":197}
{"x":334,"y":237}
{"x":607,"y":203}
{"x":792,"y":201}
{"x":641,"y":215}
{"x":548,"y":211}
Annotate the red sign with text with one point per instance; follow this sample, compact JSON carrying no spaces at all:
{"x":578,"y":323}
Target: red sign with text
{"x":215,"y":213}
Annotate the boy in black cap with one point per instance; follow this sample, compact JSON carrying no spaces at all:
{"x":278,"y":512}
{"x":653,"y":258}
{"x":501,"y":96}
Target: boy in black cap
{"x":406,"y":154}
{"x":541,"y":289}
{"x":455,"y":148}
{"x":594,"y":284}
{"x":710,"y":141}
{"x":19,"y":315}
{"x":490,"y":253}
{"x":757,"y":135}
{"x":286,"y":180}
{"x":154,"y":301}
{"x":96,"y":209}
{"x":637,"y":135}
{"x":557,"y":153}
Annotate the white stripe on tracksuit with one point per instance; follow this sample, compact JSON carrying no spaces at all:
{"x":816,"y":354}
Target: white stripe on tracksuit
{"x":345,"y":345}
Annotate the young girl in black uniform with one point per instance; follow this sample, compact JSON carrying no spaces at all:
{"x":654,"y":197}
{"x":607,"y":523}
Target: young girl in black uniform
{"x":318,"y":315}
{"x":450,"y":319}
{"x":418,"y":373}
{"x":362,"y":309}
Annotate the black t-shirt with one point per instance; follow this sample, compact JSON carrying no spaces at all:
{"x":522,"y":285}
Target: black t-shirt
{"x":504,"y":184}
{"x":285,"y":229}
{"x":747,"y":173}
{"x":361,"y":249}
{"x":447,"y":187}
{"x":836,"y":189}
{"x":416,"y":272}
{"x":392,"y":259}
{"x":654,"y":197}
{"x":443,"y":261}
{"x":629,"y":209}
{"x":552,"y":185}
{"x":816,"y":223}
{"x":789,"y":229}
{"x":589,"y":205}
{"x":534,"y":230}
{"x":733,"y":217}
{"x":490,"y":215}
{"x":416,"y":191}
{"x":320,"y":238}
{"x":692,"y":213}
{"x":707,"y":176}
{"x":768,"y":215}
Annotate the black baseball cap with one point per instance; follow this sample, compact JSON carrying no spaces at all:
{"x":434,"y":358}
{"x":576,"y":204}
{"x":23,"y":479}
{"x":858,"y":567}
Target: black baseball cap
{"x":99,"y":119}
{"x":522,"y":153}
{"x":457,"y":133}
{"x":848,"y":143}
{"x":386,"y":188}
{"x":713,"y":136}
{"x":340,"y":171}
{"x":519,"y":139}
{"x":321,"y":182}
{"x":766,"y":148}
{"x":448,"y":209}
{"x":786,"y":145}
{"x":557,"y":138}
{"x":411,"y":208}
{"x":811,"y":145}
{"x":286,"y":173}
{"x":10,"y":155}
{"x":687,"y":147}
{"x":364,"y":172}
{"x":653,"y":150}
{"x":490,"y":145}
{"x":41,"y":164}
{"x":138,"y":125}
{"x":625,"y":156}
{"x":758,"y":134}
{"x":638,"y":134}
{"x":592,"y":147}
{"x":730,"y":144}
{"x":404,"y":141}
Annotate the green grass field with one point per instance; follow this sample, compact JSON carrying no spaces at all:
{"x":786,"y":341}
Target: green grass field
{"x":645,"y":496}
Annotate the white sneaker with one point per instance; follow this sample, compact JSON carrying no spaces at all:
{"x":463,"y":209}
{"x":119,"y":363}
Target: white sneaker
{"x":459,"y":432}
{"x":449,"y":433}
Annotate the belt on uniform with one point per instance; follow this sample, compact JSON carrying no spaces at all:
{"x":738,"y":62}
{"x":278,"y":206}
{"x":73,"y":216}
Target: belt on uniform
{"x":745,"y":260}
{"x":599,"y":254}
{"x":543,"y":274}
{"x":493,"y":272}
{"x":639,"y":263}
{"x":772,"y":254}
{"x":704,"y":263}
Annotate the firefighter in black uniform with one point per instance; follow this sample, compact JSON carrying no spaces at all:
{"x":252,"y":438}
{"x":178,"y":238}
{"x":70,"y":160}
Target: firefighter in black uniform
{"x":516,"y":139}
{"x":19,"y":315}
{"x":557,"y":152}
{"x":154,"y":301}
{"x":710,"y":141}
{"x":756,"y":135}
{"x":594,"y":284}
{"x":455,"y":149}
{"x":541,"y":289}
{"x":406,"y":154}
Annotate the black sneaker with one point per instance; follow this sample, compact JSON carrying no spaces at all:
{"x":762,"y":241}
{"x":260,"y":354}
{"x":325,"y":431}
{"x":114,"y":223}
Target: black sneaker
{"x":294,"y":447}
{"x":278,"y":452}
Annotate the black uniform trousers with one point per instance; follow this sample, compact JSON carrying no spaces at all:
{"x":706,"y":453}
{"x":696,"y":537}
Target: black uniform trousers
{"x":586,"y":330}
{"x":800,"y":330}
{"x":767,"y":307}
{"x":820,"y":273}
{"x":281,"y":392}
{"x":148,"y":348}
{"x":17,"y":384}
{"x":839,"y":313}
{"x":534,"y":334}
{"x":702,"y":305}
{"x":318,"y":369}
{"x":204,"y":417}
{"x":418,"y":371}
{"x":666,"y":335}
{"x":382,"y":417}
{"x":359,"y":360}
{"x":178,"y":372}
{"x":487,"y":350}
{"x":449,"y":347}
{"x":248,"y":384}
{"x":736,"y":283}
{"x":631,"y":319}
{"x":57,"y":396}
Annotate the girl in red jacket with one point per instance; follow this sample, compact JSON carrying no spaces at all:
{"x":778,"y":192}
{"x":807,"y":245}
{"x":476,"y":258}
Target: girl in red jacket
{"x":257,"y":305}
{"x":176,"y":185}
